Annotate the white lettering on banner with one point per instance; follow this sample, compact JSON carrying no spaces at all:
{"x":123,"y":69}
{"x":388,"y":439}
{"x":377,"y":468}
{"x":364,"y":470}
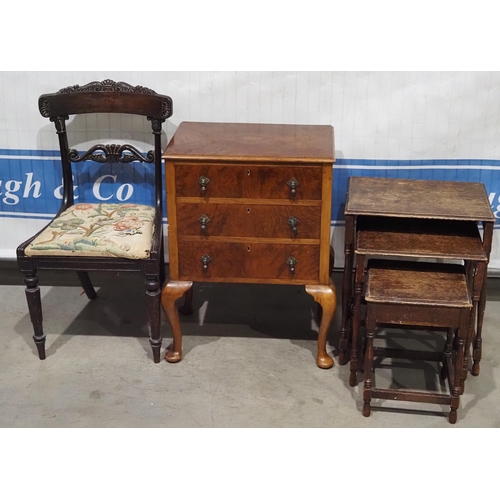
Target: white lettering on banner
{"x":30,"y":184}
{"x":496,"y":210}
{"x":97,"y":185}
{"x":58,"y":191}
{"x":121,"y":189}
{"x":13,"y":186}
{"x":123,"y":193}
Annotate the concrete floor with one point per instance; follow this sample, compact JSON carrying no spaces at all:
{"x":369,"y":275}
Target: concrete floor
{"x":249,"y":361}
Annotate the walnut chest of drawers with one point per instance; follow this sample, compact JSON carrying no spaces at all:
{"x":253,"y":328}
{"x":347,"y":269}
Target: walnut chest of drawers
{"x":250,"y":203}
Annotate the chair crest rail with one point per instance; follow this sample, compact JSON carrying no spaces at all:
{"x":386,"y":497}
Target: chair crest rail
{"x":47,"y":102}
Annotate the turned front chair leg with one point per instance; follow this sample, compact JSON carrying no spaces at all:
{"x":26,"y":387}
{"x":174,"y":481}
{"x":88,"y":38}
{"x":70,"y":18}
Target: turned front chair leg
{"x":172,"y":291}
{"x":35,"y":308}
{"x":326,"y":297}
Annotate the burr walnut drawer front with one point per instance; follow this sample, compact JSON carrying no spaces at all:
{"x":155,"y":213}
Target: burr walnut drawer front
{"x":231,"y":261}
{"x":248,"y":181}
{"x":246,"y":220}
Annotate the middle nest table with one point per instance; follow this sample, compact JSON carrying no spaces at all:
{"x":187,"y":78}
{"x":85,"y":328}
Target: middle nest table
{"x":250,"y":203}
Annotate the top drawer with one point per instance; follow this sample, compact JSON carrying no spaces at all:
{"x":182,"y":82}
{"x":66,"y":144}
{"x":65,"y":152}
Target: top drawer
{"x":248,"y":181}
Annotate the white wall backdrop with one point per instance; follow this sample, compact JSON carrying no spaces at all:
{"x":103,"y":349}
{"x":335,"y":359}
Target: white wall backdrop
{"x":442,"y":125}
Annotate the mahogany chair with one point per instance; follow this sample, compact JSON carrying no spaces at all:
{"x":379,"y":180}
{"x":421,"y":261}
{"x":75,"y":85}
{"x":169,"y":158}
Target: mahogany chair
{"x":426,"y":296}
{"x":113,"y":237}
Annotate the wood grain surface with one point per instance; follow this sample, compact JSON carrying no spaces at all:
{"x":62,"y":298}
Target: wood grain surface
{"x":252,"y":141}
{"x":248,"y":181}
{"x":418,"y":198}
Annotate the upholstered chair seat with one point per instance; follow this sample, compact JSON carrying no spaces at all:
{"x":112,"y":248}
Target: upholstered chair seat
{"x":98,"y":230}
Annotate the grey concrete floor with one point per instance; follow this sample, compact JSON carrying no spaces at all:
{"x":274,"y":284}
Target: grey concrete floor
{"x":249,"y":361}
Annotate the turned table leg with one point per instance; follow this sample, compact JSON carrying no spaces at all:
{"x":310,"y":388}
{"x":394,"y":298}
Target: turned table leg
{"x":326,"y":297}
{"x":477,"y":346}
{"x":171,"y":292}
{"x":358,"y":292}
{"x":345,"y":331}
{"x":478,"y":340}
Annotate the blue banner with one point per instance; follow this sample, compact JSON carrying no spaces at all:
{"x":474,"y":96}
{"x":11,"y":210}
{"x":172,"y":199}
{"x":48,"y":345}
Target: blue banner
{"x":30,"y":181}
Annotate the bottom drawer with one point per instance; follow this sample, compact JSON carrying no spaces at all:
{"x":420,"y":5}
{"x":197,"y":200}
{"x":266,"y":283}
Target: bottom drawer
{"x":252,"y":261}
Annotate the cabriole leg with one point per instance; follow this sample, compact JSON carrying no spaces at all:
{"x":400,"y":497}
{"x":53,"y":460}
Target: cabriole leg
{"x":171,"y":292}
{"x":326,"y":297}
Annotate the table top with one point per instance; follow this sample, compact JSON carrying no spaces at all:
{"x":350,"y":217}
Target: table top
{"x":416,"y":238}
{"x":252,"y":142}
{"x":418,"y":199}
{"x":417,"y":283}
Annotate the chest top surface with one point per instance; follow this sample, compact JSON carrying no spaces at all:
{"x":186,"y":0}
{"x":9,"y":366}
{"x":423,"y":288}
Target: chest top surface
{"x":252,"y":142}
{"x":418,"y":198}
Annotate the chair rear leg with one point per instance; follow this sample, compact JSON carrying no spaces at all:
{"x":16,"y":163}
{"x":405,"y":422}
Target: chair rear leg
{"x":163,"y":276}
{"x":84,"y":278}
{"x":153,"y":292}
{"x":35,"y":308}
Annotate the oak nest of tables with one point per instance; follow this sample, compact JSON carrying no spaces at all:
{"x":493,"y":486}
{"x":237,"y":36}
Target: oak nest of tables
{"x":414,"y":219}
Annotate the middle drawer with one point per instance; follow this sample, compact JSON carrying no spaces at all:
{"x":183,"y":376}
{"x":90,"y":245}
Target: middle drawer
{"x":260,"y":221}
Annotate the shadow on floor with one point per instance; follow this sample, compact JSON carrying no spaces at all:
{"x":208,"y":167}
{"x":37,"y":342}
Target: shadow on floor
{"x":219,"y":309}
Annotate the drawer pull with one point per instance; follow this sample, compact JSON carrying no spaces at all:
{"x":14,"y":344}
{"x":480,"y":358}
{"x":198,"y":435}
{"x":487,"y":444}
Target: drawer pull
{"x":204,"y":220}
{"x":293,"y":184}
{"x":291,"y":261}
{"x":203,"y":182}
{"x":205,"y":259}
{"x":292,"y":222}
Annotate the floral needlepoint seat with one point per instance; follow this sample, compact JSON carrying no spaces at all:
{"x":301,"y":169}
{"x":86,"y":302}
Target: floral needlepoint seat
{"x":98,"y":229}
